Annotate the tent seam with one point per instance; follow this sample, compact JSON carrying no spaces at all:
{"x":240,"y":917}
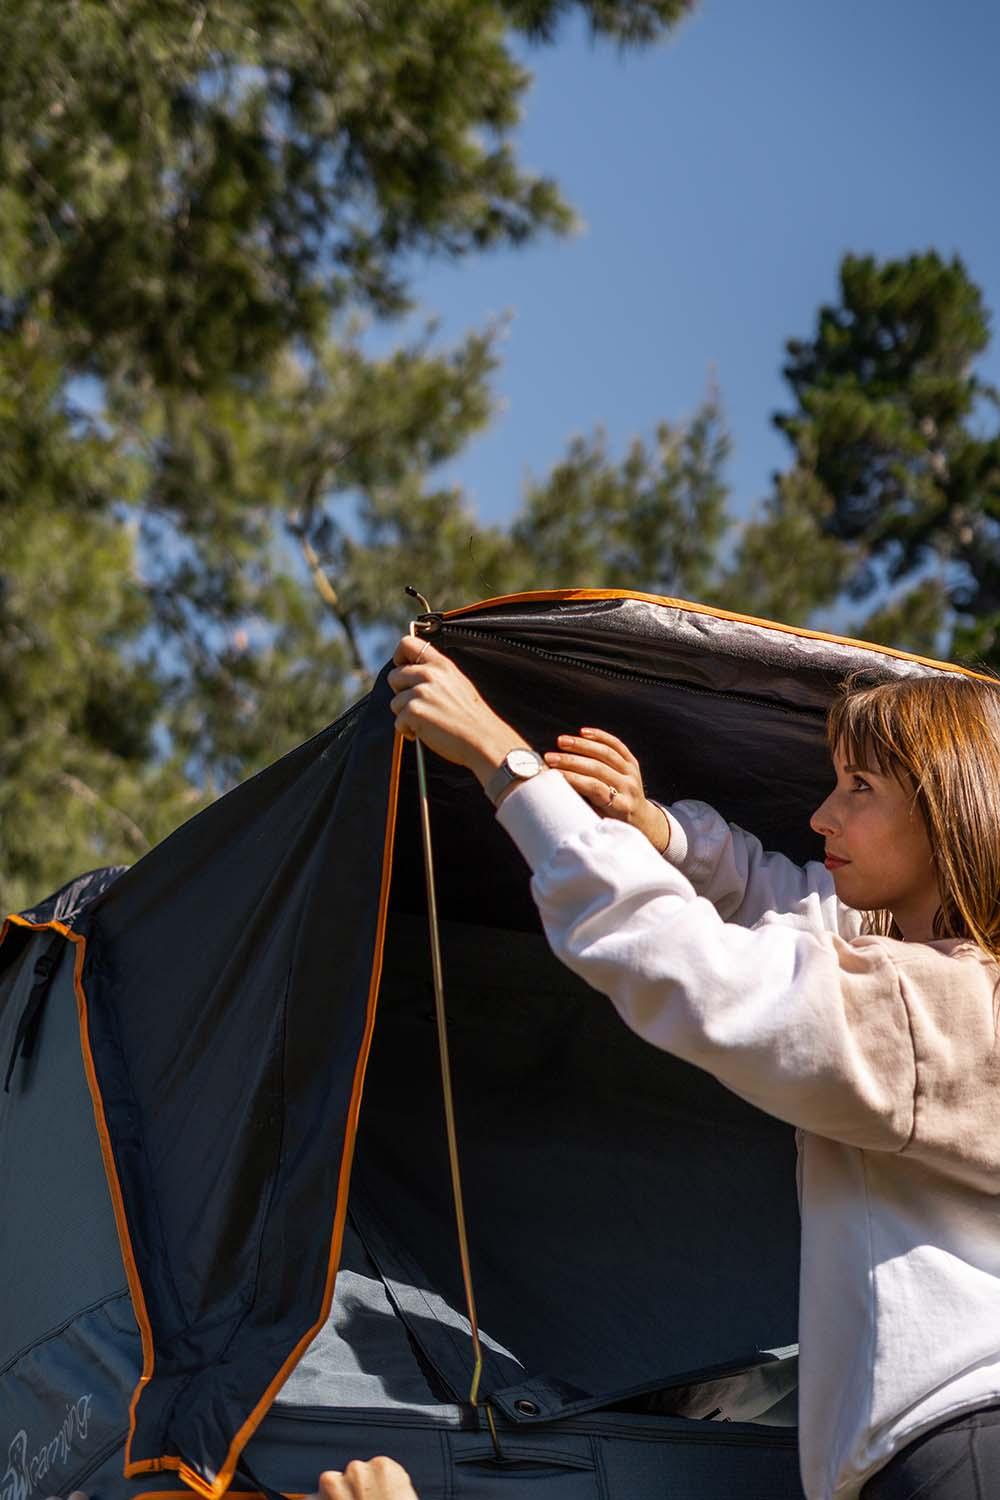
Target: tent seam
{"x":53,"y":1333}
{"x":151,"y":1198}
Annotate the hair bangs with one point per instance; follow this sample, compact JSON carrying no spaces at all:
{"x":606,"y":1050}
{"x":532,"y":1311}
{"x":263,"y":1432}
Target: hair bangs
{"x":861,"y":726}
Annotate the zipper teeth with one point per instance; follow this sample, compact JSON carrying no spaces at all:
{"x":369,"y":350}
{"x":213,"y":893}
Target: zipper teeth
{"x":630,"y":677}
{"x":698,"y":1431}
{"x":623,"y":676}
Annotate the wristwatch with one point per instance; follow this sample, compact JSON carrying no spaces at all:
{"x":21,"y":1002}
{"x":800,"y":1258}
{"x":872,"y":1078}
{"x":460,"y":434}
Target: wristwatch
{"x":517,"y":765}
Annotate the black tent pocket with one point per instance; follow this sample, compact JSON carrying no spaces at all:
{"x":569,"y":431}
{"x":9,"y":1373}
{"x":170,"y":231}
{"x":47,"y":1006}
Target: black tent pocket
{"x":518,"y":1457}
{"x":567,"y":1473}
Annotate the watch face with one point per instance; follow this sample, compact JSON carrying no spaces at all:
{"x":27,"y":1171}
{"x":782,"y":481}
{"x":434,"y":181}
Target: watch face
{"x":523,"y":762}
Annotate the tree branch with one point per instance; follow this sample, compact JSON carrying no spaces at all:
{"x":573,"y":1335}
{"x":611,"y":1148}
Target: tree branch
{"x":331,"y":599}
{"x":132,"y":831}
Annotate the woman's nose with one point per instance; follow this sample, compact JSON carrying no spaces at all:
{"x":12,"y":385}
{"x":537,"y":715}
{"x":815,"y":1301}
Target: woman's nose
{"x":823,"y":820}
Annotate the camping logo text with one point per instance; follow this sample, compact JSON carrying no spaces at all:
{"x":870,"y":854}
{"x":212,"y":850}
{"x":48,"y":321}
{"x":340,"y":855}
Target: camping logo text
{"x":23,"y":1473}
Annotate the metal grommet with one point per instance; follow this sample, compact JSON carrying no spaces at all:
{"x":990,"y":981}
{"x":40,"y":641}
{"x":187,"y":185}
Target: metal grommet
{"x":526,"y":1408}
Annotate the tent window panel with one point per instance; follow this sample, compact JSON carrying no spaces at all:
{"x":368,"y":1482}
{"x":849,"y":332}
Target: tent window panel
{"x":628,"y":1217}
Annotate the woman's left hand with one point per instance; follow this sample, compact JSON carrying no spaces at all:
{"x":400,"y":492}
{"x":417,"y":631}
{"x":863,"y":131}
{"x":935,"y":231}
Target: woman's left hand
{"x":436,"y":703}
{"x":602,"y":768}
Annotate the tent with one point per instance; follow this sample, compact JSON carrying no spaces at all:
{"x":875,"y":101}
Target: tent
{"x":223,"y":1087}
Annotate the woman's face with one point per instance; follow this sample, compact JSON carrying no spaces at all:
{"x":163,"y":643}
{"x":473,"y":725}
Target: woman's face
{"x":877,"y":848}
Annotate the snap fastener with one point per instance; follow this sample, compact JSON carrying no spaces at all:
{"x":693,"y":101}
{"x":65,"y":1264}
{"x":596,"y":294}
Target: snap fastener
{"x":526,"y":1408}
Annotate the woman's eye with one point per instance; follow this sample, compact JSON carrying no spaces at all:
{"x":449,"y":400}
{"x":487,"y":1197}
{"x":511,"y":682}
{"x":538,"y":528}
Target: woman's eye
{"x":861,"y":785}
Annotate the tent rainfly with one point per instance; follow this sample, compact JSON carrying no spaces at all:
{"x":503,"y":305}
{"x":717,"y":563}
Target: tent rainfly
{"x":200,"y":1292}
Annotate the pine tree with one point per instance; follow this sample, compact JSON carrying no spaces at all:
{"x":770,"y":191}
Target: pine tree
{"x":210,"y":492}
{"x":893,"y":495}
{"x":655,"y":522}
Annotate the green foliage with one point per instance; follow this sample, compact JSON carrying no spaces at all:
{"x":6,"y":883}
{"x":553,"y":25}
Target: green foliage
{"x":654,"y":523}
{"x":75,"y":715}
{"x":195,"y":186}
{"x":211,"y":494}
{"x":899,"y":441}
{"x":785,"y":565}
{"x":622,"y":19}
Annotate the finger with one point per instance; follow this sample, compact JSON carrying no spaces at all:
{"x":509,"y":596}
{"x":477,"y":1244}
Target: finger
{"x":583,"y":765}
{"x":380,"y":1478}
{"x":398,"y":706}
{"x":387,"y":1468}
{"x":402,"y":707}
{"x":366,"y":1480}
{"x":598,"y":793}
{"x":401,"y":701}
{"x":332,"y":1486}
{"x":596,"y":749}
{"x":604,"y":737}
{"x":414,"y":648}
{"x":409,"y":676}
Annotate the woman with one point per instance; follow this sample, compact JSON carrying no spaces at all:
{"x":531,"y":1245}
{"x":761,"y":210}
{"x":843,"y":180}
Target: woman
{"x":875,"y":1035}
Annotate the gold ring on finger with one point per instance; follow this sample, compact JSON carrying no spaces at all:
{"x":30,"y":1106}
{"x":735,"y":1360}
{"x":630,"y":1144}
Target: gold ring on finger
{"x":612,"y":794}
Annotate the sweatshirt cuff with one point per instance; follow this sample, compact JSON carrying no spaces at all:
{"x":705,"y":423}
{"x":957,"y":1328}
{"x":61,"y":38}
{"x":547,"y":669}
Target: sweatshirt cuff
{"x":542,"y":813}
{"x":679,"y":846}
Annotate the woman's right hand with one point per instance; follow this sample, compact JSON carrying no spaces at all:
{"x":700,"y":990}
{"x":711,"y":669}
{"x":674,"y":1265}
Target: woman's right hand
{"x":603,"y":769}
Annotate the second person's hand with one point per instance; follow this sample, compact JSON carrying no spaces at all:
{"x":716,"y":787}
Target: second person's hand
{"x":378,"y":1479}
{"x":603,"y":769}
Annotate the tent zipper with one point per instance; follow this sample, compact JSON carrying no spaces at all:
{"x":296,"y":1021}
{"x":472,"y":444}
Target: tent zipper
{"x":598,"y":1421}
{"x":489,"y":637}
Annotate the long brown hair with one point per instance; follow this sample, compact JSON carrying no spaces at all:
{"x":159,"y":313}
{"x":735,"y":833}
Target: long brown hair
{"x":939,"y":735}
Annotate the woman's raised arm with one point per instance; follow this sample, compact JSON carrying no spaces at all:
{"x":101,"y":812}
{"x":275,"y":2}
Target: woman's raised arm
{"x":725,"y":864}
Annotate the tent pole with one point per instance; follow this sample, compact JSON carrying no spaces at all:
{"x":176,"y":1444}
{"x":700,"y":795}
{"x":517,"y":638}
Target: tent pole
{"x":446,"y":1086}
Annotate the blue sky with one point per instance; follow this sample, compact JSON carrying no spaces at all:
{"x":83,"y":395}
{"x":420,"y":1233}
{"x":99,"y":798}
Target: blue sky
{"x":720,"y":178}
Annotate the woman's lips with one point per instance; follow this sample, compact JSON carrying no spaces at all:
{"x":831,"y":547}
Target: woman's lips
{"x":835,"y":864}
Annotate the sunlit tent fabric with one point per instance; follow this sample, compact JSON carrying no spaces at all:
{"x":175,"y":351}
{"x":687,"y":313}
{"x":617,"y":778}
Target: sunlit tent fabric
{"x":201,"y":1048}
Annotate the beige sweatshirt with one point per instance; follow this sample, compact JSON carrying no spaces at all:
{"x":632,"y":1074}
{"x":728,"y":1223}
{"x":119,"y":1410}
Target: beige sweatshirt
{"x":885,"y":1054}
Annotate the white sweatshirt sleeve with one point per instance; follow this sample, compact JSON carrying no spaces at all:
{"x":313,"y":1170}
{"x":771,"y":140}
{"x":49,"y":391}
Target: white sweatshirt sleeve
{"x":804,"y":1024}
{"x":730,"y":867}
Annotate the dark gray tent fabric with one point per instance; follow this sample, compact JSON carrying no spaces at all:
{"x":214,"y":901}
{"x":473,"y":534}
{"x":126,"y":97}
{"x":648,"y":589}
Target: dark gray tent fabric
{"x":362,"y":1386}
{"x":616,"y":1456}
{"x":68,"y":1343}
{"x":633,"y":1227}
{"x":48,"y":1144}
{"x":573,"y":1203}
